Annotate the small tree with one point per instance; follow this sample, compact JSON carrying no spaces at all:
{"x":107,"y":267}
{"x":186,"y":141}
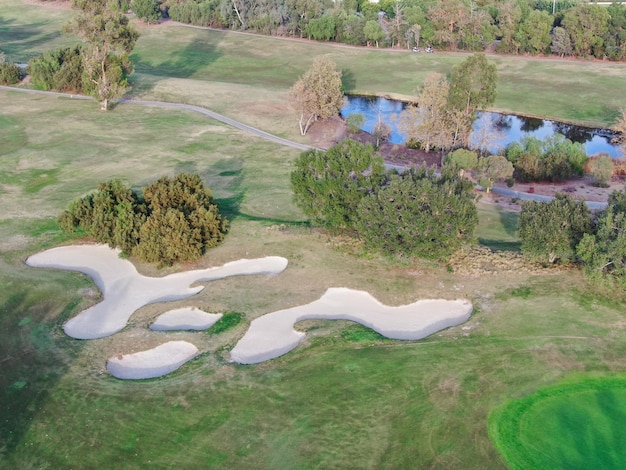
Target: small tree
{"x":328,"y":186}
{"x":492,"y":169}
{"x":108,"y":40}
{"x":147,"y":10}
{"x":355,"y":122}
{"x":551,"y":231}
{"x":461,"y":160}
{"x":601,"y":170}
{"x":417,"y":215}
{"x":473,"y":84}
{"x":317,"y":94}
{"x":373,"y":32}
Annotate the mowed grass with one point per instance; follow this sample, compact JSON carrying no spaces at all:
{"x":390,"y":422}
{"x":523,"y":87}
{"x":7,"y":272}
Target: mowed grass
{"x":571,"y":426}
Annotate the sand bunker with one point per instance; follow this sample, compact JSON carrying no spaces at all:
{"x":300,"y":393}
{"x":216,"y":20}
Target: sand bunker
{"x":152,"y":363}
{"x":189,"y":318}
{"x":125,"y":290}
{"x":272,"y":335}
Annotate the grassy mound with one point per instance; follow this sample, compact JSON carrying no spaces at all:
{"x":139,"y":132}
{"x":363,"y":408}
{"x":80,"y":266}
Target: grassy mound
{"x":573,"y":426}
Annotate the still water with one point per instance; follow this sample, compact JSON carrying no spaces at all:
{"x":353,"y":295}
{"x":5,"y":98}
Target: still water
{"x":494,"y":130}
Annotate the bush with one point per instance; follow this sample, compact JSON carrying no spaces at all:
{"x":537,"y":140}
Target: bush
{"x":601,"y":170}
{"x":173,"y":220}
{"x":461,"y":160}
{"x":551,"y":231}
{"x":417,"y":214}
{"x":60,"y":70}
{"x":10,"y":73}
{"x":328,"y":186}
{"x":146,"y":10}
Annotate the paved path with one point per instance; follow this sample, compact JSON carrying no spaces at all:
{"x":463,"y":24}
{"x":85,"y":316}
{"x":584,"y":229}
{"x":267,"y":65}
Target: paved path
{"x":279,"y":140}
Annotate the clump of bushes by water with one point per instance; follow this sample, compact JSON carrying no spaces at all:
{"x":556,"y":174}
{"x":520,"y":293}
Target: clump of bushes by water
{"x":554,"y":159}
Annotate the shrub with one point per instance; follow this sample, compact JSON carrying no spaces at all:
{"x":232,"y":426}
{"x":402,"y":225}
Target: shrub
{"x":355,"y":122}
{"x":461,"y":160}
{"x":328,"y":186}
{"x":60,"y":69}
{"x":417,"y":214}
{"x":601,"y":170}
{"x":173,"y":220}
{"x":146,"y":10}
{"x":10,"y":73}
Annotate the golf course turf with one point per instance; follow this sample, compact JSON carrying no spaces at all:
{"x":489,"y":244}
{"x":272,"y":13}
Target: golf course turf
{"x":576,"y":425}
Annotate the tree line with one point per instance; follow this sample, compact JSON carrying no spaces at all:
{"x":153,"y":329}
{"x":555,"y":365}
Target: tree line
{"x":563,"y":27}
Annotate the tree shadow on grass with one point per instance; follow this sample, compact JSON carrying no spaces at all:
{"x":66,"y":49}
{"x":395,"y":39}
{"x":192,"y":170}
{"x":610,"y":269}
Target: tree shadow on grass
{"x":508,"y":222}
{"x":34,"y":356}
{"x":18,"y":41}
{"x":196,"y":56}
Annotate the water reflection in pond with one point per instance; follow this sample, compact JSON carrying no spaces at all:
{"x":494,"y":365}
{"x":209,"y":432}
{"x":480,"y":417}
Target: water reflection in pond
{"x":491,"y":130}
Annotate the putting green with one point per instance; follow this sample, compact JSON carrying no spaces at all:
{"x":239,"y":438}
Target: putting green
{"x":578,"y":425}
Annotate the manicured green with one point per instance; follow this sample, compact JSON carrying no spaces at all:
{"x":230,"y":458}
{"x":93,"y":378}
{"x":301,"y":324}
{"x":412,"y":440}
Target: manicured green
{"x":576,"y":425}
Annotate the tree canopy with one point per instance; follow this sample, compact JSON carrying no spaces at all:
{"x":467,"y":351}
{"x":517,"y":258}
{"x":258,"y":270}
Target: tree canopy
{"x":551,"y":231}
{"x":328,"y":185}
{"x":171,"y":220}
{"x":473,"y":84}
{"x":317,"y":94}
{"x":108,"y":39}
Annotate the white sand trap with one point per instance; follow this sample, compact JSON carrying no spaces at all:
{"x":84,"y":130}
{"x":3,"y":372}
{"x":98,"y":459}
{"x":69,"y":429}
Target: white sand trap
{"x":272,"y":335}
{"x":152,"y":363}
{"x":125,"y":290}
{"x":188,"y":318}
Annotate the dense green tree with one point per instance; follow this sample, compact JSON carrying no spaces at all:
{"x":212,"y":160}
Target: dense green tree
{"x":509,"y":16}
{"x":328,"y":185}
{"x":586,"y":25}
{"x":108,"y":38}
{"x":473,"y":84}
{"x":461,"y":160}
{"x":534,"y":32}
{"x":492,"y":169}
{"x":147,"y":10}
{"x":9,"y":72}
{"x":60,"y":69}
{"x":551,"y":231}
{"x":112,"y":215}
{"x":603,"y":253}
{"x":317,"y":94}
{"x":615,"y":37}
{"x":322,"y":29}
{"x":417,"y":215}
{"x":173,"y":220}
{"x":373,"y":32}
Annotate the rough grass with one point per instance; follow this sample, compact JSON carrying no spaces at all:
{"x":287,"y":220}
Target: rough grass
{"x":497,"y":228}
{"x":574,"y":425}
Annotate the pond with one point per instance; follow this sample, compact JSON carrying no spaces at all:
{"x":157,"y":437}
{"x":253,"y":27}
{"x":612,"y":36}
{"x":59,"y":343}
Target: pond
{"x":495,"y":130}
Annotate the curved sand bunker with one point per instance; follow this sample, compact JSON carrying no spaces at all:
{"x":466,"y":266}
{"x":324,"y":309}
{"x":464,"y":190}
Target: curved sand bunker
{"x":125,"y":290}
{"x":188,"y":318}
{"x":272,"y":335}
{"x":152,"y":363}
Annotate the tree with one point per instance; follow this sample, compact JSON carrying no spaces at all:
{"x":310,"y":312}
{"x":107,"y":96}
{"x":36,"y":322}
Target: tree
{"x":146,"y":10}
{"x":173,"y":219}
{"x":620,"y":128}
{"x":328,"y":186}
{"x":60,"y":69}
{"x":561,"y":42}
{"x":601,"y":170}
{"x":461,"y":160}
{"x":108,"y":40}
{"x":373,"y":32}
{"x":534,"y":32}
{"x":355,"y":122}
{"x":417,"y":214}
{"x":551,"y":231}
{"x":9,"y":72}
{"x":473,"y":84}
{"x":112,"y":215}
{"x":603,"y":253}
{"x":493,"y":168}
{"x":317,"y":94}
{"x":426,"y":122}
{"x":586,"y":25}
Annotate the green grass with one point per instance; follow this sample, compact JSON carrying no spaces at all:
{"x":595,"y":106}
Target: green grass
{"x":571,"y":426}
{"x":497,"y":228}
{"x":229,"y":320}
